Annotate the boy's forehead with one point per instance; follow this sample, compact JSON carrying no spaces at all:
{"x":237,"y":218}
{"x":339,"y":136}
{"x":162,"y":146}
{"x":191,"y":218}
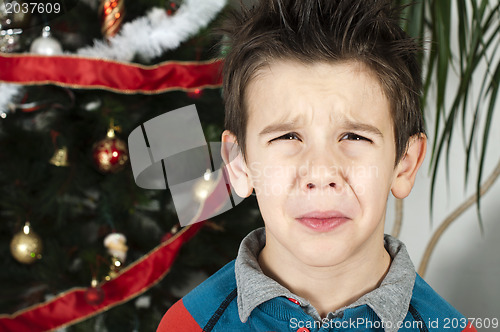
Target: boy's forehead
{"x":275,"y":68}
{"x":289,"y":92}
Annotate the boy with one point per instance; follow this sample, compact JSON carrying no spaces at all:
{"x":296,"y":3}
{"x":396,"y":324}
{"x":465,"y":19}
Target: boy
{"x":323,"y":121}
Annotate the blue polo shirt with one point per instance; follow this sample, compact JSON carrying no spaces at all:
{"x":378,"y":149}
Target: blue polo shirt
{"x":240,"y":297}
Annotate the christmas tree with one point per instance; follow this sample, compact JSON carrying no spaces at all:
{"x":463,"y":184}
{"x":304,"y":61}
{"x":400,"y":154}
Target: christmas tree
{"x":77,"y":77}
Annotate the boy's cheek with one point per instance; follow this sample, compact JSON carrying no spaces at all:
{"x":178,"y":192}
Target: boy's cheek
{"x":284,"y":149}
{"x":358,"y":152}
{"x":261,"y":172}
{"x":281,"y":178}
{"x":273,"y":188}
{"x":370,"y":182}
{"x":365,"y":173}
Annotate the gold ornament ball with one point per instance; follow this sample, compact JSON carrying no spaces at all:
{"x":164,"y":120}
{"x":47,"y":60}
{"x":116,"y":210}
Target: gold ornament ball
{"x":26,"y":248}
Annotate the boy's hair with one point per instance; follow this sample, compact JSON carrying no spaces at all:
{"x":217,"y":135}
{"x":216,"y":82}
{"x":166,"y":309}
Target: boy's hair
{"x":332,"y":31}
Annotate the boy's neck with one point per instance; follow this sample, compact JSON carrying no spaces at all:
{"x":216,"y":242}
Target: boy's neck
{"x":327,"y":288}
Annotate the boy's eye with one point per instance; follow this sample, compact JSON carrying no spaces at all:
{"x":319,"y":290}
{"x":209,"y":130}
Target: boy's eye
{"x":287,"y":136}
{"x":354,"y":137}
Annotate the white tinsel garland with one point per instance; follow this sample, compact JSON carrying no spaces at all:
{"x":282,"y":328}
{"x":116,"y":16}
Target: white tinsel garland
{"x":148,"y":36}
{"x":151,"y":35}
{"x":7,"y":92}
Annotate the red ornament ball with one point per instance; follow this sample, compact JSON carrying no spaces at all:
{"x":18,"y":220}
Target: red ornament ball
{"x":110,"y":154}
{"x":173,"y":8}
{"x":94,"y":295}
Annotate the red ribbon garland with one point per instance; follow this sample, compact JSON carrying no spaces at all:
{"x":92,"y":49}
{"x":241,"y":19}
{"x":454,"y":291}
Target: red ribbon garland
{"x":85,"y":73}
{"x":90,"y":73}
{"x":71,"y":307}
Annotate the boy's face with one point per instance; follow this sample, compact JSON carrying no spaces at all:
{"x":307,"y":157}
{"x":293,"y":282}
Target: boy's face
{"x":320,"y":156}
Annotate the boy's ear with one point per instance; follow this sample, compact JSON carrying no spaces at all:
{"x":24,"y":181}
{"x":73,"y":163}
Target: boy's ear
{"x":407,"y":168}
{"x":235,"y":165}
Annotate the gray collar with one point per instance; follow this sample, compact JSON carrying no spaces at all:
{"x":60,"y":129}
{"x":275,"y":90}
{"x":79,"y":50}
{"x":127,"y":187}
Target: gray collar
{"x":389,"y":301}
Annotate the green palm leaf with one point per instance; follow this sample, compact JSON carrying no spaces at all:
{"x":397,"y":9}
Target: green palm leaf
{"x":476,"y":31}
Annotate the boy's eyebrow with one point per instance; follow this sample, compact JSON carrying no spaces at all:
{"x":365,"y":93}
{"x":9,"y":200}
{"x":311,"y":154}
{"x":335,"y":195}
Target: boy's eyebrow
{"x":362,"y":127}
{"x":278,"y":127}
{"x":350,"y":125}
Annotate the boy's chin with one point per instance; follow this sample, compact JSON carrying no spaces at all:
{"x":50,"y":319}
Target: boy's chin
{"x":322,"y":260}
{"x":318,"y":256}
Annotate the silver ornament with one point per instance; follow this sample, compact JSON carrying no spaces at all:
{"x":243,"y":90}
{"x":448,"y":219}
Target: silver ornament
{"x":46,"y":44}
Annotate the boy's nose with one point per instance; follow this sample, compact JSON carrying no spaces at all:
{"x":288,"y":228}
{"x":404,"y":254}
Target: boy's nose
{"x":324,"y":183}
{"x":311,"y":185}
{"x":321,"y":176}
{"x":321,"y":168}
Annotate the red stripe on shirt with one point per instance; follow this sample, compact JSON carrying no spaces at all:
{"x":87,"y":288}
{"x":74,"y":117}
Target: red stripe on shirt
{"x":469,"y":328}
{"x":178,"y":318}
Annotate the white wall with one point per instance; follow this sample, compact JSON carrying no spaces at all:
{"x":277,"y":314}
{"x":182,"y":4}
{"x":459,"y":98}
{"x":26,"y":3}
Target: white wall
{"x":465,"y":265}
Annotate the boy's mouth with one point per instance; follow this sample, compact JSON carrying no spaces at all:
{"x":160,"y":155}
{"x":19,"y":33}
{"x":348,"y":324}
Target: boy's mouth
{"x":322,"y":221}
